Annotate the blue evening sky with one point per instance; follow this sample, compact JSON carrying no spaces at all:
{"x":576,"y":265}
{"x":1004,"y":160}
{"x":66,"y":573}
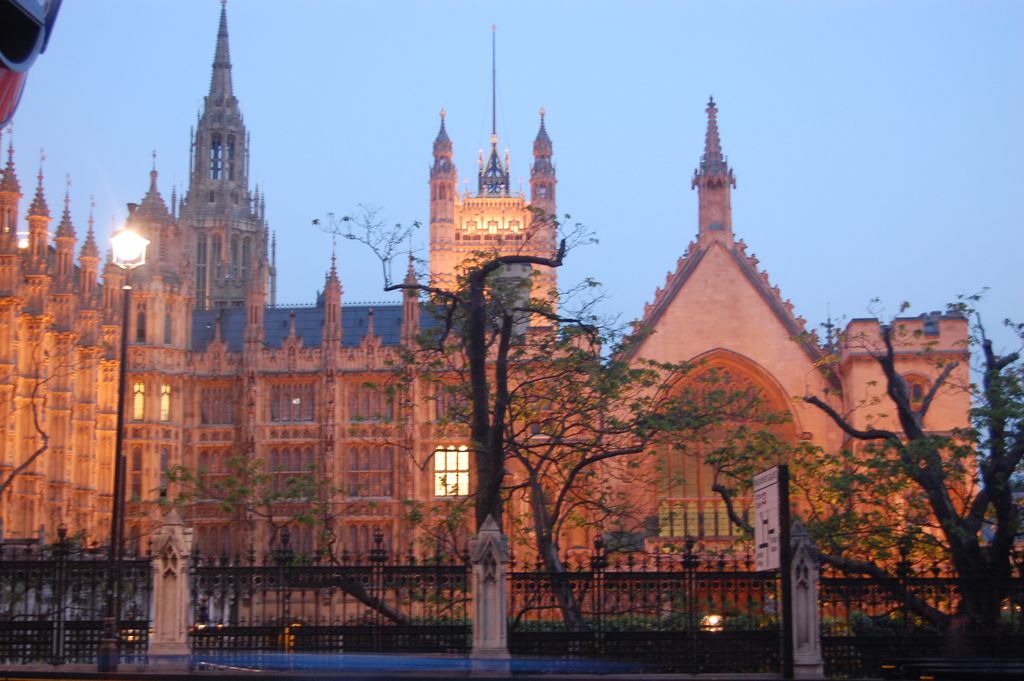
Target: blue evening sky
{"x":878,"y":146}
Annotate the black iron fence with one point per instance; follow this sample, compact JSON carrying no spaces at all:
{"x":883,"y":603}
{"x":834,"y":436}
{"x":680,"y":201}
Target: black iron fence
{"x":52,"y":600}
{"x":868,"y":622}
{"x":661,"y":612}
{"x":283,"y":603}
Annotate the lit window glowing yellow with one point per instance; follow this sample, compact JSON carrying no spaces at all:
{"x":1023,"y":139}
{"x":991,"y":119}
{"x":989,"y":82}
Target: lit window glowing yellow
{"x":451,"y":471}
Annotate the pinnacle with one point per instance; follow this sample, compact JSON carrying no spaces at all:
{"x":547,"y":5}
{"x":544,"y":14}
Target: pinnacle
{"x":220,"y":80}
{"x":89,"y":249}
{"x":39,"y":207}
{"x":9,"y":182}
{"x":65,"y":228}
{"x":713,"y":162}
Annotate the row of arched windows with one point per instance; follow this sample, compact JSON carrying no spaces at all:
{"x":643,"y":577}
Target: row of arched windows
{"x":288,"y":464}
{"x":217,"y":405}
{"x":370,"y":471}
{"x":290,"y":402}
{"x":370,"y":403}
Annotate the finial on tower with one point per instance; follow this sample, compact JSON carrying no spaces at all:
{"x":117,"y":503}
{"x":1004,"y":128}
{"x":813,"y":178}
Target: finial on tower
{"x":713,"y":162}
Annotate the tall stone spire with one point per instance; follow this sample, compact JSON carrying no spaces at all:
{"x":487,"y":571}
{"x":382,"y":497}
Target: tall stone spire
{"x":220,"y":80}
{"x":219,"y":214}
{"x":713,"y":179}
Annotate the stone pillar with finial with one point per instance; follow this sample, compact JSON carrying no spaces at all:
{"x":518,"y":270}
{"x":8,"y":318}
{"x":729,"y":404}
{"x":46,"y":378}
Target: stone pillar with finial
{"x":171,"y":596}
{"x":489,"y":557}
{"x":807,"y":658}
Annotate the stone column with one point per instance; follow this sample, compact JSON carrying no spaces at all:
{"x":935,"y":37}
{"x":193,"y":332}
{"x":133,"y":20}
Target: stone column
{"x":807,"y":658}
{"x":489,"y":557}
{"x":172,"y":545}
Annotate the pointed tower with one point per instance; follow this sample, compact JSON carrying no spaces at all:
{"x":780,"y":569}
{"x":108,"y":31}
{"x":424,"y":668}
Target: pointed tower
{"x":542,"y":173}
{"x":713,"y":180}
{"x":10,"y":196}
{"x":88,"y":273}
{"x":38,"y":227}
{"x":332,"y":307}
{"x":224,"y":223}
{"x":255,"y":304}
{"x":64,"y":277}
{"x":494,"y":219}
{"x":410,"y":306}
{"x":443,"y":187}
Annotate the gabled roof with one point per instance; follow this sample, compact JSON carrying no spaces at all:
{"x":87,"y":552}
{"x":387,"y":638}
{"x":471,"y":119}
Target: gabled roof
{"x":747,"y":264}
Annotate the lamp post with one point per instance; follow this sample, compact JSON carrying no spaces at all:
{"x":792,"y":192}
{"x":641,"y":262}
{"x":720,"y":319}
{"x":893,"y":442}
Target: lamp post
{"x":129,"y":251}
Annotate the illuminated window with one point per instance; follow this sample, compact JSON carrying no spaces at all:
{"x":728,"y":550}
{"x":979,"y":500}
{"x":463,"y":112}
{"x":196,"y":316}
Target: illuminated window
{"x":917,"y":388}
{"x":138,"y":401}
{"x":451,"y":471}
{"x":693,"y":518}
{"x":165,"y":402}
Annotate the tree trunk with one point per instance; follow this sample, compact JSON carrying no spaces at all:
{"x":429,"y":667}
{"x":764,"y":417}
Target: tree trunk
{"x":547,"y":549}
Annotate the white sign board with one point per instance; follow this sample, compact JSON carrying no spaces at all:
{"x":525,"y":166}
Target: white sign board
{"x":767,"y":527}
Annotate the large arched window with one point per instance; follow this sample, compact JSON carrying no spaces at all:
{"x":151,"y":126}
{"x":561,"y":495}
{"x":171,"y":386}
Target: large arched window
{"x":746,"y":404}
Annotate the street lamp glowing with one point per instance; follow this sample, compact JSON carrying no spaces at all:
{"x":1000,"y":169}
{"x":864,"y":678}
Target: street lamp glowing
{"x":129,"y":249}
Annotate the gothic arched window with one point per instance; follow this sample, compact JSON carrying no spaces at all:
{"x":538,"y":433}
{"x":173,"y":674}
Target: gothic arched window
{"x":218,"y":263}
{"x":231,"y":157}
{"x":246,"y":255}
{"x":140,"y":323}
{"x":215,"y":157}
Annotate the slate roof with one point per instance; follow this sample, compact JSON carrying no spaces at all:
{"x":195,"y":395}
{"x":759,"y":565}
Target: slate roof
{"x":387,"y":325}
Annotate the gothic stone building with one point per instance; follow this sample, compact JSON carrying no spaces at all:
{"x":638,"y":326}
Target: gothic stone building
{"x":217,"y":370}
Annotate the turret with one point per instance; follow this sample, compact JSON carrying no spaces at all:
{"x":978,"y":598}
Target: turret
{"x":542,"y":173}
{"x":10,"y":196}
{"x":713,"y":180}
{"x":443,"y":185}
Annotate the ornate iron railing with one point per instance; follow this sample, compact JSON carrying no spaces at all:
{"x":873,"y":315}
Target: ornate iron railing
{"x":376,"y":602}
{"x":869,"y":622}
{"x":661,"y":612}
{"x":52,"y":599}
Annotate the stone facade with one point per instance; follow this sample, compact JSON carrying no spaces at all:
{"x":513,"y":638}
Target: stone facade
{"x":217,"y":370}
